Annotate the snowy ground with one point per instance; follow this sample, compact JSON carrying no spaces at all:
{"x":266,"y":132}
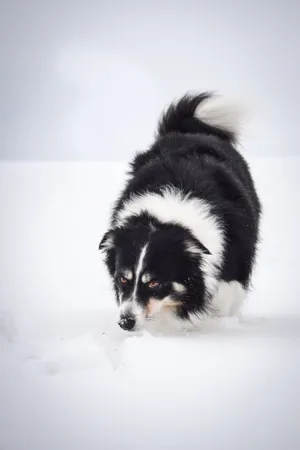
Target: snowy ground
{"x":70,"y":379}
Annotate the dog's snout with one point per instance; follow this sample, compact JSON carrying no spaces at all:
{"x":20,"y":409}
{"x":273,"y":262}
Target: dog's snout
{"x":127,"y":322}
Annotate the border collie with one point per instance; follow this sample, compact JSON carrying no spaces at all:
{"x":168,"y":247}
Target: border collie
{"x":183,"y":235}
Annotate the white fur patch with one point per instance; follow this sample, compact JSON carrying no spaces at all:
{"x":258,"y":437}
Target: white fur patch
{"x":228,"y":300}
{"x":172,"y":206}
{"x":219,"y":112}
{"x":178,"y":287}
{"x":108,"y":244}
{"x":146,"y":278}
{"x":128,"y":274}
{"x":191,"y":248}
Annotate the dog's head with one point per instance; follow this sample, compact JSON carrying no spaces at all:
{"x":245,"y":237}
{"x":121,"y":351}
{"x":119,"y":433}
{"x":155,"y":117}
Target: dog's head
{"x":155,"y":268}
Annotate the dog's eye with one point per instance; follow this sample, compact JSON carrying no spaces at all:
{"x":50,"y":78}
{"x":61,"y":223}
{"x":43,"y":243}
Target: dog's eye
{"x":123,"y":280}
{"x":153,"y":284}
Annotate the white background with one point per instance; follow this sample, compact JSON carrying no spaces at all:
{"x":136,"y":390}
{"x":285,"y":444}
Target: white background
{"x":87,"y":80}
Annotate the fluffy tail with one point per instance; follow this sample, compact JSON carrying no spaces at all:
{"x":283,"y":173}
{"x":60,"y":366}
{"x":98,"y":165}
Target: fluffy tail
{"x":204,"y":113}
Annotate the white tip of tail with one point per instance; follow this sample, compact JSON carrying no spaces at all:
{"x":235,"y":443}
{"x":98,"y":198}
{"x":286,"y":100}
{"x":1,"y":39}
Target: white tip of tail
{"x":220,"y":112}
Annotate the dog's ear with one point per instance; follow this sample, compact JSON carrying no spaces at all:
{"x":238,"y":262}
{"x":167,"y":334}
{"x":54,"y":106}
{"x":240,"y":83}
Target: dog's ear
{"x":108,"y":241}
{"x":195,"y":247}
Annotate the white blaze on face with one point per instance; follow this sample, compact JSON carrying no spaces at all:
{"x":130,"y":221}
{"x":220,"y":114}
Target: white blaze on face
{"x":138,"y":270}
{"x":131,"y":306}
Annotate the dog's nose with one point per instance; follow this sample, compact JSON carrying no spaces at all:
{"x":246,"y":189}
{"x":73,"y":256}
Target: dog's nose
{"x":127,"y":322}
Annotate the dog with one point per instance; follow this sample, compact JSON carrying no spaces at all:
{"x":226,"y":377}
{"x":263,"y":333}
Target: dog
{"x":183,"y":234}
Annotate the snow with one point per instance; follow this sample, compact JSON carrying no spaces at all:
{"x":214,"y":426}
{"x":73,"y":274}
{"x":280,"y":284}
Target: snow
{"x":71,"y":379}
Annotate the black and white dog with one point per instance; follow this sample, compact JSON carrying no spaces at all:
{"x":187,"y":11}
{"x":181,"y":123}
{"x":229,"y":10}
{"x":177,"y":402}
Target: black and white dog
{"x":183,"y":234}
